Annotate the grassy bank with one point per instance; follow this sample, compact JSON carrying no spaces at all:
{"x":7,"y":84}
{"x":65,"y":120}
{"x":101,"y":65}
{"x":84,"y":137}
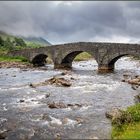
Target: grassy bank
{"x":12,"y":59}
{"x":127,"y":126}
{"x":82,"y":57}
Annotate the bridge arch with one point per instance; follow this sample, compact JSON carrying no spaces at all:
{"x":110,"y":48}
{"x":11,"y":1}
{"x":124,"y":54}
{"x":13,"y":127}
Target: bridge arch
{"x":69,"y":57}
{"x":114,"y":59}
{"x":39,"y":59}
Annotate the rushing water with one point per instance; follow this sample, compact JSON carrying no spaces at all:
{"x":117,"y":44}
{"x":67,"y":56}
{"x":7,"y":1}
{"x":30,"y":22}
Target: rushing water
{"x":97,"y":93}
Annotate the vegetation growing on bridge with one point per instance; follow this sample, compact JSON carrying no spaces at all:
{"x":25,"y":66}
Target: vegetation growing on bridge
{"x":127,"y":126}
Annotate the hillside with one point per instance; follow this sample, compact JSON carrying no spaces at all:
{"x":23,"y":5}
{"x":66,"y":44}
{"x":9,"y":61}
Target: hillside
{"x":37,"y":40}
{"x":28,"y":40}
{"x":4,"y":35}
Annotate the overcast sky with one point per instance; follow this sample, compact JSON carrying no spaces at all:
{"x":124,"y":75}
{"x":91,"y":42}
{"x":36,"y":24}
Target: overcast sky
{"x":61,"y":22}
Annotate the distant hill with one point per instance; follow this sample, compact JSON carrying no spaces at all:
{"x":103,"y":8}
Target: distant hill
{"x":28,"y":40}
{"x":37,"y":40}
{"x":5,"y":35}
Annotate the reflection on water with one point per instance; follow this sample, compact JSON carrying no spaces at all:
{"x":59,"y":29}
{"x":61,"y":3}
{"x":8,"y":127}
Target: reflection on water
{"x":27,"y":107}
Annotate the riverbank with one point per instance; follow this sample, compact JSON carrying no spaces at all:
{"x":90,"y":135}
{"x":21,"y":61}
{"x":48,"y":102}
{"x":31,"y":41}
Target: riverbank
{"x":15,"y":64}
{"x":127,"y":125}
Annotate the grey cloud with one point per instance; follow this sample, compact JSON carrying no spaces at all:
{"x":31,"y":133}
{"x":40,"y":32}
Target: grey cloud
{"x":63,"y":22}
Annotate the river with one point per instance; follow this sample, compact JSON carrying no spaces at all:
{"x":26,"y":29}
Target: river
{"x":25,"y":114}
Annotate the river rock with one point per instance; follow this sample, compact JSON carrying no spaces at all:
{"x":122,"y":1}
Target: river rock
{"x":126,"y":75}
{"x":32,"y":85}
{"x":65,"y":121}
{"x":47,"y":95}
{"x":57,"y":136}
{"x":46,"y":117}
{"x":114,"y":113}
{"x":57,"y":105}
{"x":60,"y":81}
{"x":119,"y":117}
{"x":21,"y":101}
{"x":134,"y":81}
{"x":79,"y":120}
{"x":52,"y":81}
{"x":3,"y":134}
{"x":63,"y":73}
{"x":72,"y":78}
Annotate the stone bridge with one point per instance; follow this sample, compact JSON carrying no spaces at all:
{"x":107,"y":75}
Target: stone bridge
{"x":62,"y":55}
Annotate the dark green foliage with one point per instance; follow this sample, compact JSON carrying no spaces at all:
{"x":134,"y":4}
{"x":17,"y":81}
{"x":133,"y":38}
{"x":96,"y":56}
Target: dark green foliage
{"x":1,"y":41}
{"x":19,"y":42}
{"x":8,"y":44}
{"x":134,"y":111}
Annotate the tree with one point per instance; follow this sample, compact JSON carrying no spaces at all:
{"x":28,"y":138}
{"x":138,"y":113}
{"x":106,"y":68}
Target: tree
{"x":1,"y":41}
{"x":20,"y":42}
{"x":8,"y":44}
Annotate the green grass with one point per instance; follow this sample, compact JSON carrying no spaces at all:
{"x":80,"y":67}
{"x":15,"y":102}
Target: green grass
{"x":128,"y":131}
{"x":13,"y":59}
{"x":33,"y":45}
{"x":3,"y":51}
{"x":82,"y":57}
{"x":128,"y":125}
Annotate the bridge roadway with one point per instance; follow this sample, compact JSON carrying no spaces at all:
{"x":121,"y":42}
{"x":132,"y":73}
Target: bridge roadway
{"x":62,"y":55}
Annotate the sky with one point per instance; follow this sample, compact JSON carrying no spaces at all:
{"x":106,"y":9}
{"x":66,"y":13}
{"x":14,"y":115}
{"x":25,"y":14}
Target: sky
{"x":73,"y":21}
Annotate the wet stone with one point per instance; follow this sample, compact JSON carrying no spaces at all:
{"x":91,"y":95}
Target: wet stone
{"x":47,"y":95}
{"x":31,"y":85}
{"x":113,"y":113}
{"x":46,"y":117}
{"x":21,"y":101}
{"x":52,"y":81}
{"x":79,"y":120}
{"x":3,"y":134}
{"x":65,"y":121}
{"x":57,"y":136}
{"x":72,"y":78}
{"x":57,"y":105}
{"x":2,"y":121}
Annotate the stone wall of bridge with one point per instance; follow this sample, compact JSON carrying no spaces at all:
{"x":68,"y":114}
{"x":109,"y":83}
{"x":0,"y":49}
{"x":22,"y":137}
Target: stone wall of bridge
{"x":106,"y":54}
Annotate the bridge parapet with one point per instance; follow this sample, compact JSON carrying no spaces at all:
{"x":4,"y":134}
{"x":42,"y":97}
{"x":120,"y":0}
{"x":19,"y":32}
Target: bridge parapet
{"x":62,"y":55}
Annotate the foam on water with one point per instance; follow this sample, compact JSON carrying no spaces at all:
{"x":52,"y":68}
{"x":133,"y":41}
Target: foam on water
{"x":55,"y":121}
{"x":93,"y":93}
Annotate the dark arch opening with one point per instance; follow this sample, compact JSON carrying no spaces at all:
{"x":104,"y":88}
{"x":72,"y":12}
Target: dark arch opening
{"x":68,"y":59}
{"x":39,"y":60}
{"x":112,"y":62}
{"x":115,"y":63}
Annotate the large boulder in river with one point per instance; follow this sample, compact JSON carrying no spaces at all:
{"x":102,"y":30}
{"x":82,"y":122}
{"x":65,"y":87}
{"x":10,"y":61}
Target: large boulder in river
{"x":135,"y":81}
{"x":59,"y":81}
{"x":53,"y":81}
